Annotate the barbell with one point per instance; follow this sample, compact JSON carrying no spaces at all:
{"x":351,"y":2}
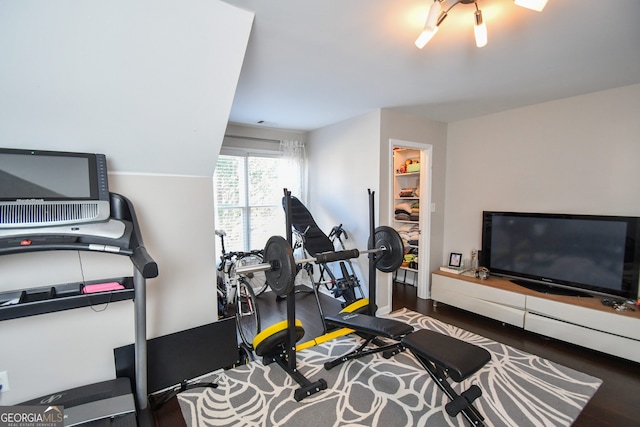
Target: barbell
{"x":280,"y":266}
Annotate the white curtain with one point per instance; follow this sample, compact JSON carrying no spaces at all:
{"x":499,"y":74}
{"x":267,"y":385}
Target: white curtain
{"x":295,"y":175}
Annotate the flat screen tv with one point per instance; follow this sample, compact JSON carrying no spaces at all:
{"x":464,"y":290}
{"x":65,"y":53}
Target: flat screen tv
{"x":564,"y":253}
{"x":51,"y":188}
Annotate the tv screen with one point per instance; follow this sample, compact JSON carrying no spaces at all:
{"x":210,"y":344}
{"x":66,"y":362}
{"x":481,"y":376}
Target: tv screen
{"x":49,"y":188}
{"x":598,"y":254}
{"x":37,"y":176}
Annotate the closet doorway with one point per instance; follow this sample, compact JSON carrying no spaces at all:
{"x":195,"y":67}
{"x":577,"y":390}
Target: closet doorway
{"x":410,"y":165}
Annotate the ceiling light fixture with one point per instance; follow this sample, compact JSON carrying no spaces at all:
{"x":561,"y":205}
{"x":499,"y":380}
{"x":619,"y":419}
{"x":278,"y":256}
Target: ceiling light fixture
{"x":439,"y":10}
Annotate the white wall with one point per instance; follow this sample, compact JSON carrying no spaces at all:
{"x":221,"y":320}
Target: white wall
{"x":351,"y":156}
{"x":150,"y":84}
{"x":344,"y":162}
{"x":175,"y":215}
{"x":575,"y":155}
{"x":427,"y":132}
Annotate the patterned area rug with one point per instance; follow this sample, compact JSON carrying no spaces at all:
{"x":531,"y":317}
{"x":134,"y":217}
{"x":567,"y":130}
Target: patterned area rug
{"x":519,"y":389}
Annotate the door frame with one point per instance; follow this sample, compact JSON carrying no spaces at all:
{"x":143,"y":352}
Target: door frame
{"x":424,"y":224}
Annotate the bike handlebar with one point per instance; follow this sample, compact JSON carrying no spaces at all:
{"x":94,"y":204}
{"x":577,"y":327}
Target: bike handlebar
{"x":239,"y":254}
{"x":242,"y":254}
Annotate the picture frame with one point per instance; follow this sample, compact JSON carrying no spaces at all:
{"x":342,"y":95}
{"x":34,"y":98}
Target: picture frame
{"x":455,"y":260}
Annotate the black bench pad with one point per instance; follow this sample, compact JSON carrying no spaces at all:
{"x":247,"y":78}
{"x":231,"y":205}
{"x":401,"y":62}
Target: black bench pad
{"x":387,"y":328}
{"x":460,"y":359}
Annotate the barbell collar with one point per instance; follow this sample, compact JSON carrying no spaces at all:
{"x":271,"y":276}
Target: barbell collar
{"x":374,"y":250}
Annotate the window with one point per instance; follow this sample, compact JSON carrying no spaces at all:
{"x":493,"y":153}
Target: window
{"x":248,"y":194}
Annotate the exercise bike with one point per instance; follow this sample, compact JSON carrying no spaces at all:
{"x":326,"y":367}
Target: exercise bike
{"x":237,"y":292}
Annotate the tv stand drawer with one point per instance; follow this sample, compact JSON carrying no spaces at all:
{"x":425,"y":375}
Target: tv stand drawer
{"x":609,"y":322}
{"x":616,"y":345}
{"x":495,"y":303}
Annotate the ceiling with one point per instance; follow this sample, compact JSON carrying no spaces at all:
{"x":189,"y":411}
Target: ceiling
{"x":310,"y":64}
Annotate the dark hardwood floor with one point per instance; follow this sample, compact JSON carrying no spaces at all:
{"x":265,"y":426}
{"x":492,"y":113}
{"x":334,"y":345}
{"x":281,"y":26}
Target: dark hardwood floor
{"x":616,"y":403}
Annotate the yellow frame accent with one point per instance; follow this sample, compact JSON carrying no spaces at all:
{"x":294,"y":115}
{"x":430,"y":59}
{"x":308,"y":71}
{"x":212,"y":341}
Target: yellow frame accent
{"x":276,"y":327}
{"x":355,"y":305}
{"x":280,"y":326}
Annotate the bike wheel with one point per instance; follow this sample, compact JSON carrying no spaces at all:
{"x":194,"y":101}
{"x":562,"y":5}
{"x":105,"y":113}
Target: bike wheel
{"x":257,"y":280}
{"x":222,"y":299}
{"x":247,"y":314}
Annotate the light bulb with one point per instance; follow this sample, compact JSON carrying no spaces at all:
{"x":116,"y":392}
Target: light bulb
{"x":434,"y":12}
{"x":480,"y":30}
{"x":426,"y":35}
{"x":430,"y":26}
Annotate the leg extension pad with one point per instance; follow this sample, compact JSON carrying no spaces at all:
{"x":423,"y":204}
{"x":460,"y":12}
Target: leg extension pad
{"x":447,"y":357}
{"x":458,"y":358}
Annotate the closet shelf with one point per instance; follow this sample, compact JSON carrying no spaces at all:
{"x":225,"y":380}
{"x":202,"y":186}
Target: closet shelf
{"x":406,"y":200}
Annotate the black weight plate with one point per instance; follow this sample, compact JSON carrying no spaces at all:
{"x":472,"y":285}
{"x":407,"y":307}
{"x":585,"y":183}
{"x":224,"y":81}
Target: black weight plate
{"x":278,"y":253}
{"x":391,"y":258}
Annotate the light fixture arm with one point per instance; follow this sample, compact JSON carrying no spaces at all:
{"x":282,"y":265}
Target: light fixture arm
{"x":447,"y":5}
{"x":446,"y":9}
{"x":453,"y":3}
{"x":478,"y":13}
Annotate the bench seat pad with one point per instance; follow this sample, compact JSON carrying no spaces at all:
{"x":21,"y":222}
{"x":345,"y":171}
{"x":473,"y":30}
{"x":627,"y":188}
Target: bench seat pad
{"x":371,"y":325}
{"x":459,"y":358}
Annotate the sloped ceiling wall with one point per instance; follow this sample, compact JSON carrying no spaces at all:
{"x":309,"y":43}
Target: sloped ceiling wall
{"x":148,"y":83}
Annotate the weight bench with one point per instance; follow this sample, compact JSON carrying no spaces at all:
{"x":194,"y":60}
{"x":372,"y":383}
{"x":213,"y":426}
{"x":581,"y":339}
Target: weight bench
{"x":442,"y":356}
{"x":370,"y":328}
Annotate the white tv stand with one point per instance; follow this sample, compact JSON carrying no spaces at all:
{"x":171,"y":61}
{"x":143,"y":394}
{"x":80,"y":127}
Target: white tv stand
{"x":578,"y":320}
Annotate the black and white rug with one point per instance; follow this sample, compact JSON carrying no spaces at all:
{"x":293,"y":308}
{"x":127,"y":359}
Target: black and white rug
{"x":519,"y":389}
